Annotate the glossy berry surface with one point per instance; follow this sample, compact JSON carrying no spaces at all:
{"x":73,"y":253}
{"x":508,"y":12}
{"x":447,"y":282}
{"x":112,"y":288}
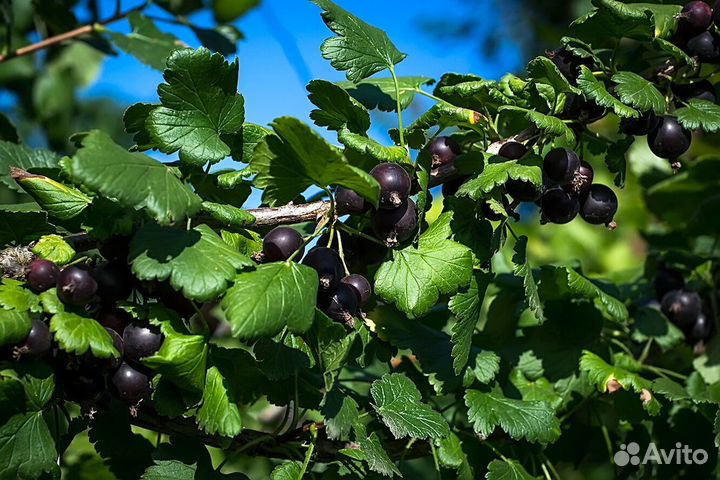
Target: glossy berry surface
{"x":76,"y":286}
{"x":396,"y":225}
{"x":559,"y":206}
{"x":512,"y":150}
{"x":114,"y":318}
{"x":700,"y":330}
{"x":141,"y":341}
{"x":129,"y":385}
{"x":361,"y":287}
{"x":599,"y":205}
{"x":42,"y":276}
{"x":114,"y":282}
{"x":522,"y":191}
{"x":341,"y":304}
{"x":112,"y":363}
{"x":669,"y":139}
{"x":38,"y":342}
{"x":349,"y":202}
{"x":583,"y":178}
{"x":682,"y":307}
{"x":443,"y":150}
{"x":394,"y":184}
{"x":646,"y":123}
{"x":668,"y":280}
{"x":561,"y":165}
{"x":280,"y":243}
{"x":695,"y":16}
{"x":705,"y":46}
{"x":327,"y":263}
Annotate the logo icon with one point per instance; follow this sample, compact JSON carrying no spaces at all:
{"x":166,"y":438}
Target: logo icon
{"x":627,"y":454}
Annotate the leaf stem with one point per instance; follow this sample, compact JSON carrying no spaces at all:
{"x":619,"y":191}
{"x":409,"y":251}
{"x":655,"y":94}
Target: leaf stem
{"x":342,"y":253}
{"x":358,"y":233}
{"x":435,"y":458}
{"x":401,"y":129}
{"x":310,"y":450}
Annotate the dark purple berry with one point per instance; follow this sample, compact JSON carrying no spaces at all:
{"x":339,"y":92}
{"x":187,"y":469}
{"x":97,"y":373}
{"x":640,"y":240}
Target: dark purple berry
{"x":328,"y":264}
{"x":559,"y":206}
{"x":360,"y":286}
{"x":43,"y":275}
{"x":341,"y":304}
{"x":705,"y":46}
{"x":696,"y":16}
{"x":599,"y":205}
{"x":522,"y":191}
{"x":669,"y":139}
{"x":667,"y":280}
{"x":443,"y":150}
{"x":512,"y":150}
{"x":583,"y":179}
{"x":585,"y":111}
{"x":129,"y":385}
{"x":394,"y":184}
{"x":114,"y":282}
{"x":682,"y":308}
{"x":109,"y":364}
{"x":76,"y":286}
{"x":637,"y":127}
{"x":700,"y":330}
{"x":396,"y":225}
{"x":280,"y":243}
{"x":114,"y":318}
{"x":561,"y":165}
{"x":350,"y":203}
{"x":141,"y":341}
{"x":83,"y":388}
{"x":38,"y":342}
{"x":700,"y":90}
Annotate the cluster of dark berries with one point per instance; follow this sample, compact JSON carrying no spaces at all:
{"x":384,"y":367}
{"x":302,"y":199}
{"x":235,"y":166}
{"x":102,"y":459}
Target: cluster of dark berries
{"x":340,"y":297}
{"x":86,"y":379}
{"x":681,"y":306}
{"x":695,"y":34}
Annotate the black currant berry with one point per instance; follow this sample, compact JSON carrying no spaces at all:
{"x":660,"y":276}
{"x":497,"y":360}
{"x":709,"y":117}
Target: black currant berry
{"x":583,"y":179}
{"x":396,"y":225}
{"x":669,"y":139}
{"x":110,"y":364}
{"x":394,"y":184}
{"x":705,"y":46}
{"x":82,"y":388}
{"x":681,"y":307}
{"x":114,"y":282}
{"x":341,"y":304}
{"x":522,"y":191}
{"x":360,"y":286}
{"x":280,"y":243}
{"x":489,"y":213}
{"x":443,"y":150}
{"x":76,"y":286}
{"x":561,"y":165}
{"x":696,"y":16}
{"x":451,"y":187}
{"x":141,"y":341}
{"x":599,"y":205}
{"x":42,"y":276}
{"x":350,"y":203}
{"x":559,"y":206}
{"x":667,"y":280}
{"x":129,"y":385}
{"x":328,"y":264}
{"x":38,"y":342}
{"x":114,"y":318}
{"x":512,"y":150}
{"x":700,"y":330}
{"x":700,"y":90}
{"x":639,"y":127}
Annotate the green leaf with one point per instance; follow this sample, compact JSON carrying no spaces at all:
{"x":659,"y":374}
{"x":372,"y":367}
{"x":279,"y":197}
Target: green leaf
{"x":283,"y":360}
{"x":55,"y":249}
{"x":22,"y":157}
{"x":552,"y":126}
{"x":145,"y":42}
{"x":134,"y":119}
{"x":581,"y":286}
{"x":359,"y":49}
{"x":451,"y":455}
{"x":523,"y":270}
{"x":14,"y":326}
{"x":466,"y":306}
{"x":287,"y":471}
{"x":340,"y":412}
{"x":58,"y":200}
{"x":228,"y":215}
{"x":651,"y":323}
{"x":27,"y":449}
{"x":332,"y":345}
{"x":640,"y":21}
{"x":374,"y":453}
{"x":218,"y":413}
{"x":197,"y":262}
{"x":76,"y":334}
{"x":487,"y":365}
{"x":380,"y":92}
{"x":276,"y":295}
{"x":595,"y":90}
{"x":543,"y":70}
{"x":295,"y":159}
{"x":699,"y":114}
{"x":507,"y":470}
{"x":20,"y":226}
{"x":336,"y":108}
{"x":14,"y":297}
{"x":170,"y":470}
{"x":634,"y":90}
{"x":416,"y":277}
{"x":367,"y":146}
{"x":399,"y":405}
{"x":242,"y":144}
{"x":199,"y":104}
{"x":133,"y":179}
{"x":533,"y":421}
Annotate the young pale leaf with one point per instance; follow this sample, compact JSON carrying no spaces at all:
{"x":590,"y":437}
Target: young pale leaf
{"x":359,"y":49}
{"x":533,"y":421}
{"x":340,"y":412}
{"x":218,"y":413}
{"x":466,"y":306}
{"x":398,"y":402}
{"x":199,"y":104}
{"x":14,"y":297}
{"x":550,"y":125}
{"x":380,"y":92}
{"x":55,"y":249}
{"x":227,"y":215}
{"x":367,"y":146}
{"x":634,"y":90}
{"x":595,"y":90}
{"x":295,"y":159}
{"x":58,"y":200}
{"x":699,"y":114}
{"x":170,"y":470}
{"x":27,"y":449}
{"x":182,"y":359}
{"x":522,"y":269}
{"x":270,"y":298}
{"x":133,"y":179}
{"x":507,"y":470}
{"x":374,"y":453}
{"x":497,"y":172}
{"x":336,"y":108}
{"x":145,"y":42}
{"x":197,"y":261}
{"x":76,"y":334}
{"x":14,"y":326}
{"x":287,"y":471}
{"x":543,"y":70}
{"x":22,"y":157}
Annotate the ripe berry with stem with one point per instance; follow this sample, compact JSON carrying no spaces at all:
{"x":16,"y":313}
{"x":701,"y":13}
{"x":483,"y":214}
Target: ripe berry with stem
{"x":38,"y":342}
{"x":583,"y":179}
{"x":443,"y":150}
{"x":360,"y":286}
{"x":129,"y":385}
{"x":561,"y":165}
{"x":341,"y":304}
{"x":394,"y":184}
{"x":512,"y":150}
{"x":696,"y":16}
{"x":76,"y":286}
{"x":42,"y":276}
{"x":599,"y":205}
{"x":328,"y":264}
{"x":280,"y":243}
{"x":396,"y":225}
{"x":682,"y":307}
{"x":669,"y":139}
{"x":705,"y":46}
{"x":646,"y":123}
{"x":141,"y":341}
{"x":559,"y":206}
{"x":349,"y":202}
